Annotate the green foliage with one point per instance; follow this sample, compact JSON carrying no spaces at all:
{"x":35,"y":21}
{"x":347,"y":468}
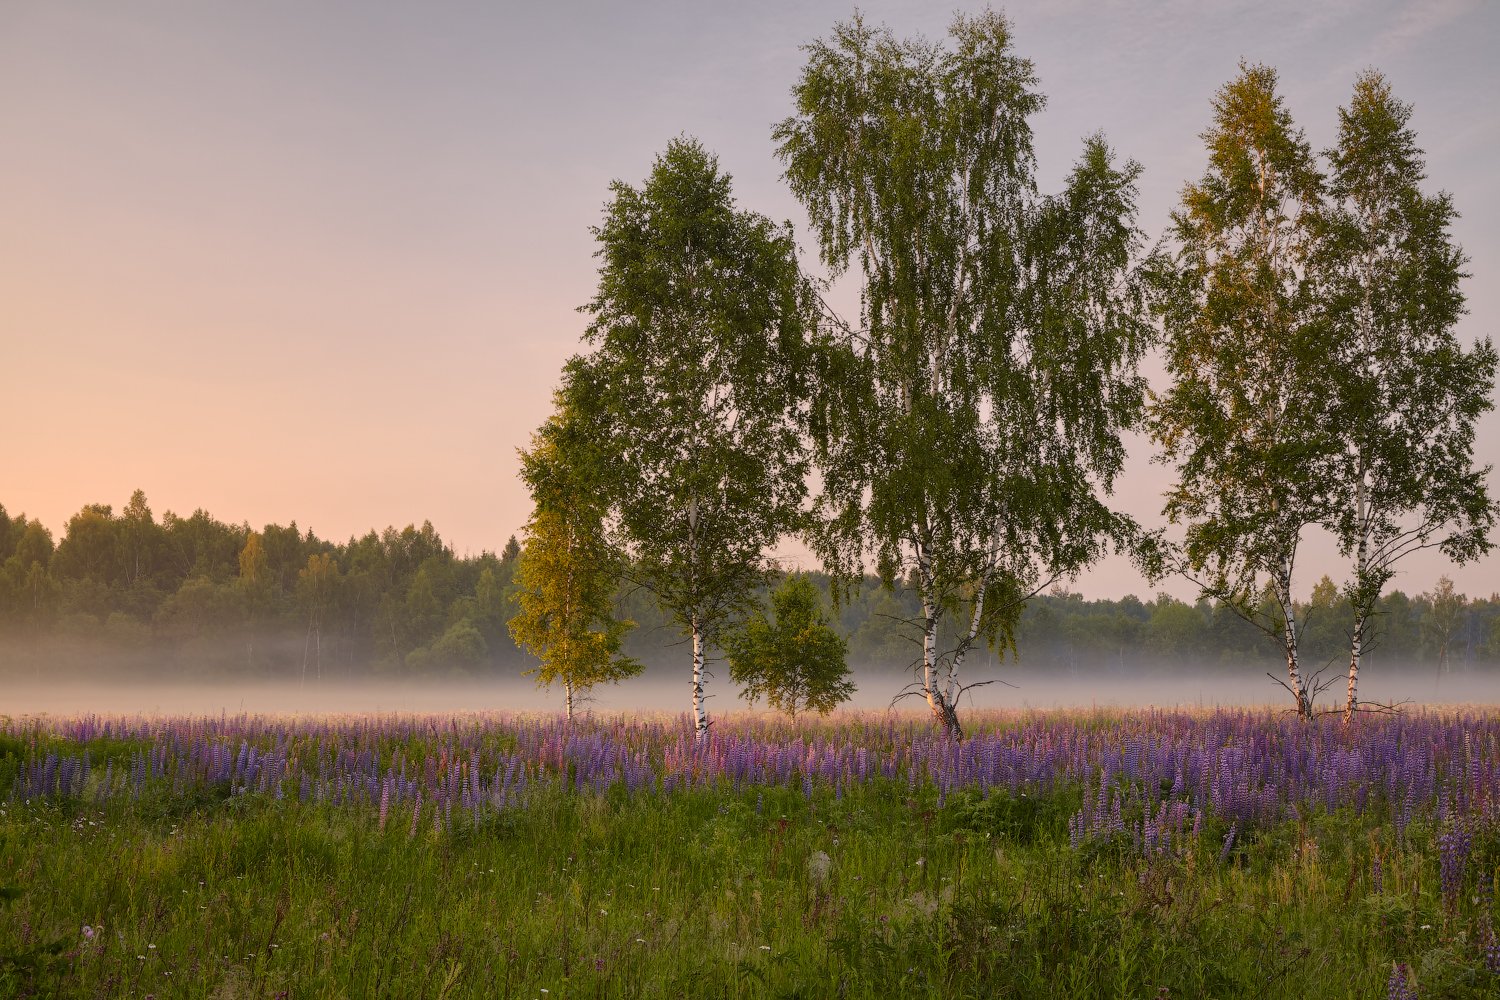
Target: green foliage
{"x":1019,"y":819}
{"x":1247,"y":421}
{"x":967,"y":425}
{"x":198,"y":625}
{"x":1408,"y":393}
{"x":30,"y":960}
{"x":567,"y":572}
{"x":711,"y":893}
{"x":698,"y":326}
{"x":1317,"y":379}
{"x":793,"y":659}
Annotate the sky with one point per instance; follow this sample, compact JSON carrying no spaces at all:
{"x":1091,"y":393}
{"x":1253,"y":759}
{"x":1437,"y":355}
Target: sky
{"x":322,"y":261}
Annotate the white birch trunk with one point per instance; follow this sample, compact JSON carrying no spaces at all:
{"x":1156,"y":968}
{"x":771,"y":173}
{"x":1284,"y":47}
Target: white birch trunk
{"x":954,"y":688}
{"x":568,"y":699}
{"x":1293,"y":671}
{"x":700,"y":710}
{"x":1289,"y":642}
{"x":1361,"y":612}
{"x":930,"y":690}
{"x":939,"y":693}
{"x":1356,"y":651}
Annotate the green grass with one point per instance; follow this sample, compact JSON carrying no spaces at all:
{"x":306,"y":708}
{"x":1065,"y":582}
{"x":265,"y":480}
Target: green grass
{"x":715,"y":894}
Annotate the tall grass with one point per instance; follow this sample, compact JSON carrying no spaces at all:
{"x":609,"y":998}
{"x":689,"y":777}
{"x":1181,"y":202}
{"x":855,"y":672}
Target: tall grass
{"x":1053,"y":854}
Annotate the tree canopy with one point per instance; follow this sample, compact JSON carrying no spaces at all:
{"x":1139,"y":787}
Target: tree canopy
{"x":1244,"y":420}
{"x":967,"y":423}
{"x":698,"y":328}
{"x":568,"y":574}
{"x":1408,"y":392}
{"x":793,"y":658}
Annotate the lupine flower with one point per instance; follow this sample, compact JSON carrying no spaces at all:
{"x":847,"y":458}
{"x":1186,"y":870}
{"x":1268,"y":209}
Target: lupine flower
{"x":1396,"y":987}
{"x":1454,"y":845}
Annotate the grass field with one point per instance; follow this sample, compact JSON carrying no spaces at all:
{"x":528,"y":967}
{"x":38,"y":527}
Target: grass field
{"x":1153,"y":854}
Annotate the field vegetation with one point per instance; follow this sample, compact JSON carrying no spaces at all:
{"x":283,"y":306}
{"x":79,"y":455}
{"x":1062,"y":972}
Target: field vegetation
{"x":1151,"y":854}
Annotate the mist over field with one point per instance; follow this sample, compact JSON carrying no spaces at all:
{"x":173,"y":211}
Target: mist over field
{"x":663,"y":690}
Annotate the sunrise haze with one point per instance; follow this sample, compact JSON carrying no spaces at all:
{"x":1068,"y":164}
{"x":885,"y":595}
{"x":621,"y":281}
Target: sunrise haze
{"x":322,"y":262}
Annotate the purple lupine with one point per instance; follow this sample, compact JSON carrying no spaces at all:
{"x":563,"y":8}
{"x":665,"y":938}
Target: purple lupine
{"x":1454,"y":844}
{"x":1228,"y":842}
{"x":1396,"y":987}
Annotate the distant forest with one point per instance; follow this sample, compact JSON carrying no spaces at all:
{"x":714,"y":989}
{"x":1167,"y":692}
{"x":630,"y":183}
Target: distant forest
{"x":195,"y":597}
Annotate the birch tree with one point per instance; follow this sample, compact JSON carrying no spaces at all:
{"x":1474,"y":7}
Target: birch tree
{"x":317,"y":587}
{"x":1440,"y":621}
{"x":567,"y":572}
{"x":1408,"y":391}
{"x":967,"y":422}
{"x":1247,"y":418}
{"x":700,"y":335}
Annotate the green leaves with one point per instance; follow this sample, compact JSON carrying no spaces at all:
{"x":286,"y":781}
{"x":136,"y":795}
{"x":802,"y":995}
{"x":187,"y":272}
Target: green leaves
{"x":1316,"y":378}
{"x":793,"y":659}
{"x":701,"y":327}
{"x":567,"y":571}
{"x":1409,"y":392}
{"x":967,"y":425}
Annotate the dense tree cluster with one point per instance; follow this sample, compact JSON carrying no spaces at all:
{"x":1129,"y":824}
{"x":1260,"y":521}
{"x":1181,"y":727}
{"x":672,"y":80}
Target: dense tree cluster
{"x":194,"y":596}
{"x":228,"y":599}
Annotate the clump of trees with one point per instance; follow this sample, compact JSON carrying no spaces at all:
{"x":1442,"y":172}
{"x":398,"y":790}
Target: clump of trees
{"x":198,"y":630}
{"x":197,"y":596}
{"x":965,"y":427}
{"x":949,"y":451}
{"x":1308,"y":308}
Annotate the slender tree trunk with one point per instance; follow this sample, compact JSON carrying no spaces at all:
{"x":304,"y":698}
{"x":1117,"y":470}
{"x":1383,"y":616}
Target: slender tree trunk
{"x":568,"y":698}
{"x":700,"y":710}
{"x":1289,"y":644}
{"x":1356,"y":652}
{"x":306,"y":646}
{"x":1293,"y":671}
{"x":954,"y":689}
{"x":938,"y":702}
{"x":1364,"y":600}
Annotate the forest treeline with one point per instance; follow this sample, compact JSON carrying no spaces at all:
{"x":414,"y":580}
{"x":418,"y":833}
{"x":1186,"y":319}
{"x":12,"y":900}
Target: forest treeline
{"x":196,"y":597}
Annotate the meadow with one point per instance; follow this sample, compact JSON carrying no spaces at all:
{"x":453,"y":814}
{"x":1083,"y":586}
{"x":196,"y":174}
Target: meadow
{"x":1152,"y":854}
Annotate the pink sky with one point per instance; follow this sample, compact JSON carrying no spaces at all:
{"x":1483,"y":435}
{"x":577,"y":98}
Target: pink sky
{"x":322,"y":264}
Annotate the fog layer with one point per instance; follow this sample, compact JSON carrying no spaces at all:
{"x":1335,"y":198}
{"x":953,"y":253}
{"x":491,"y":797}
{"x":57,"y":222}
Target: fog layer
{"x":656,"y":693}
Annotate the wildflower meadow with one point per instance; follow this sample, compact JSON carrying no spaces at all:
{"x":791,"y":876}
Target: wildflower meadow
{"x":1069,"y":853}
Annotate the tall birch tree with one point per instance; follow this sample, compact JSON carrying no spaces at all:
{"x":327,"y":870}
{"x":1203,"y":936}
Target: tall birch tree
{"x":699,"y":328}
{"x":567,"y":572}
{"x":1247,"y":418}
{"x":1408,"y":391}
{"x":967,"y":423}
